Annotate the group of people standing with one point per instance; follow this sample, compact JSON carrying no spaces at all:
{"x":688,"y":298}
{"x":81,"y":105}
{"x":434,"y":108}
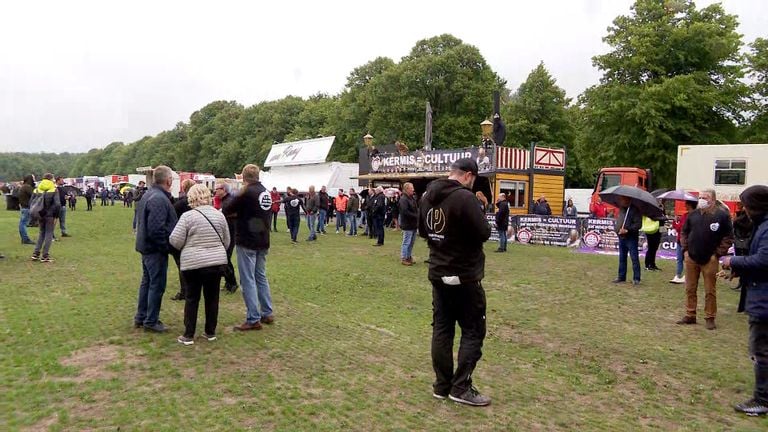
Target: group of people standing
{"x":203,"y":236}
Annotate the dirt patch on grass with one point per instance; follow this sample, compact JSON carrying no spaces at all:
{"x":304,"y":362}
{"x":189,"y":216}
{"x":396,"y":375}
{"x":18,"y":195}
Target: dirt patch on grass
{"x":43,"y":425}
{"x":96,"y":362}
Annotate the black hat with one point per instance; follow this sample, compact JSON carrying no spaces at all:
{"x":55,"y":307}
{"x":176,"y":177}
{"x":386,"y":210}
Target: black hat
{"x":466,"y":165}
{"x":756,"y":198}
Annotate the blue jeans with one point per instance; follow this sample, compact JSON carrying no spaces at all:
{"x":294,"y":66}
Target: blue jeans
{"x":409,"y":238}
{"x":680,"y":260}
{"x":63,"y":219}
{"x":629,"y":245}
{"x":503,"y":239}
{"x":321,"y":218}
{"x":152,"y":287}
{"x":23,"y":225}
{"x":341,"y":221}
{"x":293,"y":225}
{"x":352,"y":218}
{"x":252,"y":266}
{"x":311,"y":224}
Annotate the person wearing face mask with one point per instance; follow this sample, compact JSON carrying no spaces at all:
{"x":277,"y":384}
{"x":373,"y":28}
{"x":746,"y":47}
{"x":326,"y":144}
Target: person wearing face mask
{"x":706,"y":236}
{"x":456,"y":230}
{"x":752,"y":269}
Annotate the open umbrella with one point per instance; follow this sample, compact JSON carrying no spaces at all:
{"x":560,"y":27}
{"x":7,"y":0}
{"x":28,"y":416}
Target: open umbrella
{"x":390,"y":192}
{"x":642,"y":200}
{"x":677,"y":195}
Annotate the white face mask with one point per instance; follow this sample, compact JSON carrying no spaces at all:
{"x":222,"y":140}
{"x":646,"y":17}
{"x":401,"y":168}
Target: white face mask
{"x":703,"y":204}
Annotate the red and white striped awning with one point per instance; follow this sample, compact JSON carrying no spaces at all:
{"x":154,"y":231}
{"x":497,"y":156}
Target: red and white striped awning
{"x":512,"y":158}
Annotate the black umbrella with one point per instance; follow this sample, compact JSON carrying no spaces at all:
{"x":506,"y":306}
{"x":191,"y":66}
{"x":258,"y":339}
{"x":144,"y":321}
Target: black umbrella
{"x":642,"y":200}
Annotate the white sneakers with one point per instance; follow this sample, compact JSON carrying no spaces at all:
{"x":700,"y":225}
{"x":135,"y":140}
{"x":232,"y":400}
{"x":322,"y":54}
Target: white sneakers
{"x":677,"y":280}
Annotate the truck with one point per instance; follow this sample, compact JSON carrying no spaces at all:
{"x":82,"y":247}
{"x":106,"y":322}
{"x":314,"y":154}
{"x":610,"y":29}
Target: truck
{"x":727,"y":169}
{"x":613,"y":176}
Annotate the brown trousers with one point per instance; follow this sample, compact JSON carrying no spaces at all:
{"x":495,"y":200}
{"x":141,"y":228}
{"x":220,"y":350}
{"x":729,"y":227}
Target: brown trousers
{"x":709,"y":272}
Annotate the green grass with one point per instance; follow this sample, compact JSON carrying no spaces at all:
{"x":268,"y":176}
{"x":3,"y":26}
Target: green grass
{"x":566,"y":350}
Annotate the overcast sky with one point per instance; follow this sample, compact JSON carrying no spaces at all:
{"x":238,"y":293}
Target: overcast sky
{"x":76,"y":75}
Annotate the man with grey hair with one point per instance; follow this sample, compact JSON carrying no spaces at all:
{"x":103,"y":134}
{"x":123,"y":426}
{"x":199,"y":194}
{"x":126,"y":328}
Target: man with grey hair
{"x":378,"y":211}
{"x":311,"y":207}
{"x":706,"y":236}
{"x":155,"y":220}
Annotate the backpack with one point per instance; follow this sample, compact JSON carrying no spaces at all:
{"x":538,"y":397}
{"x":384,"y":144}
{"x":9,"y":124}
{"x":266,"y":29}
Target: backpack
{"x":37,"y":205}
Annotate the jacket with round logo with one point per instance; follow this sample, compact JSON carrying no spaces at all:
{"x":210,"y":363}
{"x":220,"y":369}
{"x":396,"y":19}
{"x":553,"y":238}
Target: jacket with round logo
{"x":253,"y":209}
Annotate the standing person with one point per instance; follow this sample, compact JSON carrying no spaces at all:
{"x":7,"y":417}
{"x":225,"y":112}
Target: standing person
{"x":25,"y":194}
{"x":742,"y":234}
{"x":104,"y":196}
{"x":112,"y":195}
{"x":378,"y":211}
{"x":707,"y":235}
{"x":542,"y":207}
{"x":89,"y":195}
{"x":752,"y":269}
{"x":63,"y":201}
{"x":502,"y":221}
{"x":73,"y":201}
{"x":156,"y":219}
{"x":570,"y":209}
{"x":253,"y":207}
{"x":311,"y":207}
{"x":651,"y":228}
{"x":409,"y":222}
{"x":181,"y":206}
{"x":276,"y":198}
{"x":677,"y":225}
{"x":628,"y":226}
{"x":230,"y":281}
{"x":369,"y":227}
{"x":322,"y":212}
{"x":293,"y":205}
{"x":395,"y":210}
{"x":47,"y":215}
{"x":140,"y":191}
{"x":202,"y":236}
{"x":455,"y":233}
{"x":598,"y":209}
{"x":353,"y":206}
{"x":341,"y":211}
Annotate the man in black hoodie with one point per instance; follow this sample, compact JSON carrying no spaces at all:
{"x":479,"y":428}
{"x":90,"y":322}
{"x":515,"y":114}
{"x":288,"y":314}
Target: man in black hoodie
{"x":455,"y":229}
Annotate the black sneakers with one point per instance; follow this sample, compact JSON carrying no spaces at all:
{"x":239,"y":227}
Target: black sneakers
{"x":752,"y":408}
{"x":471,"y":397}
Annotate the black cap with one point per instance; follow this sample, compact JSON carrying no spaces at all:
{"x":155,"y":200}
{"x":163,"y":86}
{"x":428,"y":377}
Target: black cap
{"x":466,"y":165}
{"x":756,"y":198}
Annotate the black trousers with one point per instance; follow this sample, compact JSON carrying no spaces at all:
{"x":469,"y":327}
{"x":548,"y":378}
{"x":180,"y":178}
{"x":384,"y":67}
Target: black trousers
{"x":182,"y":280}
{"x":274,"y":221}
{"x":206,"y":280}
{"x":758,"y":351}
{"x":229,"y":272}
{"x":653,"y":247}
{"x":463,"y":304}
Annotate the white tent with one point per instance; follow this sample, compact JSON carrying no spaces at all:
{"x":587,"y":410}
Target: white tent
{"x":301,"y":164}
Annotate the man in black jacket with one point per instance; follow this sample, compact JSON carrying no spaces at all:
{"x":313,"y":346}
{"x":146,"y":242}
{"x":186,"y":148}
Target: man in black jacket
{"x":63,"y":201}
{"x":628,"y":226}
{"x":253,"y":207}
{"x":25,"y":193}
{"x":322,"y":211}
{"x":706,"y":236}
{"x":502,"y":221}
{"x":155,"y":219}
{"x":378,"y":212}
{"x":455,"y":229}
{"x":409,"y":222}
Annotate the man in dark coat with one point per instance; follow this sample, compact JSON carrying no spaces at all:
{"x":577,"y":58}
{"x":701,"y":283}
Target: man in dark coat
{"x":378,"y":212}
{"x":25,"y":194}
{"x":502,"y":221}
{"x":752,"y":269}
{"x":628,"y":226}
{"x":156,"y":219}
{"x":542,"y":207}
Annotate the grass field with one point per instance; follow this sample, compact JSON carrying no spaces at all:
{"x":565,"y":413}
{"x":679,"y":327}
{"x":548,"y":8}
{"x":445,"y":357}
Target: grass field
{"x":566,"y":349}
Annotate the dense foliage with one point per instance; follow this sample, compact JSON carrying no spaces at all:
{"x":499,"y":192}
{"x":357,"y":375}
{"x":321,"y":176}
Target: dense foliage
{"x":675,"y":75}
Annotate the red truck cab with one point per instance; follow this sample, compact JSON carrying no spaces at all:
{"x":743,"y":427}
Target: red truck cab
{"x":614,"y":176}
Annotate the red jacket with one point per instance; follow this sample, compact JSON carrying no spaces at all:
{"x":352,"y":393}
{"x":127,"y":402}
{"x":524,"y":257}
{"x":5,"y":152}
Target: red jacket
{"x":599,"y":210}
{"x":275,"y":201}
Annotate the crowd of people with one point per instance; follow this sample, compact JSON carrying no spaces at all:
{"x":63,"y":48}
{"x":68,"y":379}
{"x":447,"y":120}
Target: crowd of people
{"x":203,"y":229}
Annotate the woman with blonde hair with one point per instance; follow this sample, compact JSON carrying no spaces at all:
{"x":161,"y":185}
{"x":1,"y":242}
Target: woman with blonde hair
{"x":202,"y":236}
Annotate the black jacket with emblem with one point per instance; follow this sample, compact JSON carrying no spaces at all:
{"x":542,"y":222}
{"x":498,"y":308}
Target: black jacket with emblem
{"x":455,"y":229}
{"x":253,"y":210}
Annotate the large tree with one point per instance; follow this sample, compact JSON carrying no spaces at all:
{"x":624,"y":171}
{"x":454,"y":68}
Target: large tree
{"x":672,"y":77}
{"x":756,"y":129}
{"x":449,"y":74}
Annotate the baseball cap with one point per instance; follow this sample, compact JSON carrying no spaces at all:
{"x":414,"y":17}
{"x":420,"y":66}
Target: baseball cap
{"x":466,"y":165}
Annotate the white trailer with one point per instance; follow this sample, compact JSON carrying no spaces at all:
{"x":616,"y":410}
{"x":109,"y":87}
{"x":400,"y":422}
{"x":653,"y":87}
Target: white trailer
{"x":726,"y":168}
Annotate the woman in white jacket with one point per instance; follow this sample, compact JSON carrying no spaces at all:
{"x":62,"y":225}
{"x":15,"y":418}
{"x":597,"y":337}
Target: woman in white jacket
{"x":202,"y":236}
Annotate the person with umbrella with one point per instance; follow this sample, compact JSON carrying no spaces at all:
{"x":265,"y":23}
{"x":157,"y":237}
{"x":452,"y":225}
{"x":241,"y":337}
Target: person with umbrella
{"x":633,"y":204}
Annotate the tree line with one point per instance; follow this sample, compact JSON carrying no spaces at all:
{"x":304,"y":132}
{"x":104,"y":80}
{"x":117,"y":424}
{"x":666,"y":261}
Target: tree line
{"x":675,"y":74}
